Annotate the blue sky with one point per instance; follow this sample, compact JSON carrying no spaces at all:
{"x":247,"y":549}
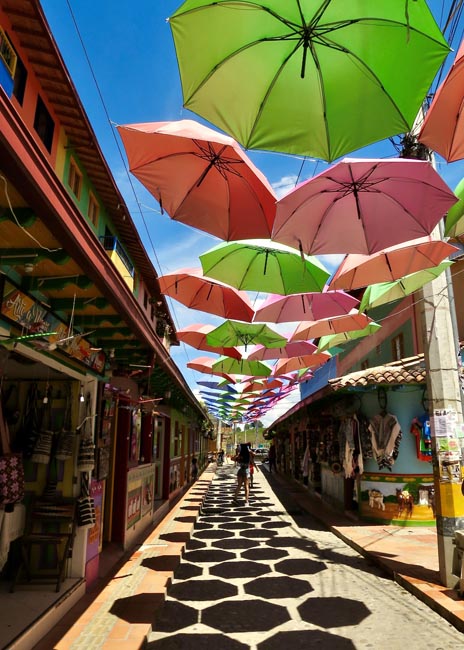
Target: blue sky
{"x":132,"y":58}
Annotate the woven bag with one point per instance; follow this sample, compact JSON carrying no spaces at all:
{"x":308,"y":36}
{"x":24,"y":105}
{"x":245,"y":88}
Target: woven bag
{"x":43,"y":445}
{"x":66,"y":437}
{"x":86,"y":456}
{"x":11,"y":467}
{"x":86,"y":515}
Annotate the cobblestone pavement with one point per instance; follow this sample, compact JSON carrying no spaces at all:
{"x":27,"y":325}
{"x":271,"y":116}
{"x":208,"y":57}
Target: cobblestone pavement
{"x":270,"y":577}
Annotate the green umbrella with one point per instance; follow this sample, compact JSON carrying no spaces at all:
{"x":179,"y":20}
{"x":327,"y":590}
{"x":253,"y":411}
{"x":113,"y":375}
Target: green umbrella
{"x":242,"y":367}
{"x":383,"y":292}
{"x":244,"y":334}
{"x":261,"y":265}
{"x":330,"y":341}
{"x":312,"y":77}
{"x":454,"y":224}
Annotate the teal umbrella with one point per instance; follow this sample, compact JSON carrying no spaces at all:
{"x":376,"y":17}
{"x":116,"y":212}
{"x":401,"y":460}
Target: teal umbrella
{"x":312,"y":77}
{"x":332,"y":340}
{"x":261,"y":265}
{"x":383,"y":292}
{"x":244,"y":334}
{"x":241,"y":367}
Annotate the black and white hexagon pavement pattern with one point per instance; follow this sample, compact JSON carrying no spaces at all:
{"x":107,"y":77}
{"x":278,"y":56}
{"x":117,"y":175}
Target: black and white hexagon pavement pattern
{"x":267,"y":576}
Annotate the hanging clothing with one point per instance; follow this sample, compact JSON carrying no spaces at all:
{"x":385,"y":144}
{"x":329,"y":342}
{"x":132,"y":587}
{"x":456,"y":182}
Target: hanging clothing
{"x":420,"y":428}
{"x":305,"y":462}
{"x":386,"y":436}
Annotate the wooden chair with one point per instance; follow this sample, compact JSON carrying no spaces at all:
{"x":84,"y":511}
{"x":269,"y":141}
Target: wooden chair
{"x":49,"y":534}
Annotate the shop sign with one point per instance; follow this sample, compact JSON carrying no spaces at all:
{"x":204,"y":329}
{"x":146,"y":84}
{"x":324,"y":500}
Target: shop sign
{"x":27,"y":313}
{"x":95,"y":534}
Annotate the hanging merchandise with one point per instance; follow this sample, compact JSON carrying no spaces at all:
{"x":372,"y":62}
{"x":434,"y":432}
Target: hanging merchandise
{"x":420,"y":428}
{"x":29,"y":428}
{"x":43,"y":445}
{"x":11,"y":467}
{"x":386,"y":437}
{"x":86,"y":456}
{"x":66,"y":437}
{"x":86,"y":516}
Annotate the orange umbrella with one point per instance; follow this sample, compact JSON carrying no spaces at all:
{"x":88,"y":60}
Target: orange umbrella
{"x":201,"y":177}
{"x":298,"y":363}
{"x":297,"y":349}
{"x":313,"y":330}
{"x":391,"y":264}
{"x":443,"y":127}
{"x":194,"y":290}
{"x":204,"y":364}
{"x":195,"y":335}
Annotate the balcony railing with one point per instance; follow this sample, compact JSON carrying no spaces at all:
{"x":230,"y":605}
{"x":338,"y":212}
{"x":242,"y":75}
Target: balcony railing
{"x":7,"y":53}
{"x":113,"y":244}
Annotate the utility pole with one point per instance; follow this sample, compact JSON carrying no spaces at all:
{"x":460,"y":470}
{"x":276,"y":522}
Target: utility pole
{"x":440,"y":342}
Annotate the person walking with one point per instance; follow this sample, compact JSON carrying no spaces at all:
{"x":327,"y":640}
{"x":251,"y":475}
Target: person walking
{"x":243,"y":458}
{"x":272,"y":458}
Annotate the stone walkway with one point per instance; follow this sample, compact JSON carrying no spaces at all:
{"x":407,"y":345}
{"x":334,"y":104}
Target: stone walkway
{"x":269,"y":577}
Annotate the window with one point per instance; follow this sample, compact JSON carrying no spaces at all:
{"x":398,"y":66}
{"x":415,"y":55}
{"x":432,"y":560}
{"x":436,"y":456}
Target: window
{"x":20,"y":78}
{"x":93,"y":209}
{"x":397,"y":347}
{"x":43,"y":124}
{"x":75,"y":179}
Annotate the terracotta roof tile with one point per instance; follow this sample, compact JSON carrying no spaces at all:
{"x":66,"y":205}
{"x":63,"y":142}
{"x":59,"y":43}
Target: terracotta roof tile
{"x":405,"y":371}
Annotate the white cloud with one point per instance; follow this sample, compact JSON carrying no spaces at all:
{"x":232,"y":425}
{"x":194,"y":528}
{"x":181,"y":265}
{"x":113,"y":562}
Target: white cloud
{"x":284,"y":185}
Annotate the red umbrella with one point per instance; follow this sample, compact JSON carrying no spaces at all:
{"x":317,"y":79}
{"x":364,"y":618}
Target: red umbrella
{"x":298,"y":363}
{"x":362,"y":206}
{"x":194,"y":290}
{"x":391,"y":264}
{"x":201,"y":177}
{"x":305,"y":306}
{"x":443,"y":127}
{"x":297,"y":349}
{"x":195,"y":335}
{"x":352,"y":321}
{"x":204,"y":364}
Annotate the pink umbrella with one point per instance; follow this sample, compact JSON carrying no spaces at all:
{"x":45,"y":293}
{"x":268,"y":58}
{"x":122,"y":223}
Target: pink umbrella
{"x":297,"y":349}
{"x":298,"y":363}
{"x":313,"y":330}
{"x":195,"y":335}
{"x":393,"y":263}
{"x":201,"y":177}
{"x":443,"y":127}
{"x":194,"y":290}
{"x":305,"y":306}
{"x":362,"y":206}
{"x":204,"y":364}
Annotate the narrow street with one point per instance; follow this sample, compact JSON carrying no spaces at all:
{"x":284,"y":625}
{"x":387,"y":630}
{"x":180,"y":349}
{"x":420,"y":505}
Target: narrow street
{"x":269,"y":576}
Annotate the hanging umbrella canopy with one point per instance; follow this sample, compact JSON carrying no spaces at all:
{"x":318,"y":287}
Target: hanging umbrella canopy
{"x":260,"y":265}
{"x":288,"y":76}
{"x":363,"y":206}
{"x":393,"y":263}
{"x":231,"y":333}
{"x":330,"y":341}
{"x":191,"y":288}
{"x":195,"y":335}
{"x":313,"y":330}
{"x":454,"y":225}
{"x":384,"y":292}
{"x":297,"y":349}
{"x":205,"y":365}
{"x":298,"y":363}
{"x":217,"y":385}
{"x":305,"y":306}
{"x":254,"y":385}
{"x":227,"y":365}
{"x":201,"y":178}
{"x":443,"y":126}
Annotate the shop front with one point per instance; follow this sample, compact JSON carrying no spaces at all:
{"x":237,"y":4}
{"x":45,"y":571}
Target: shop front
{"x":364,"y":445}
